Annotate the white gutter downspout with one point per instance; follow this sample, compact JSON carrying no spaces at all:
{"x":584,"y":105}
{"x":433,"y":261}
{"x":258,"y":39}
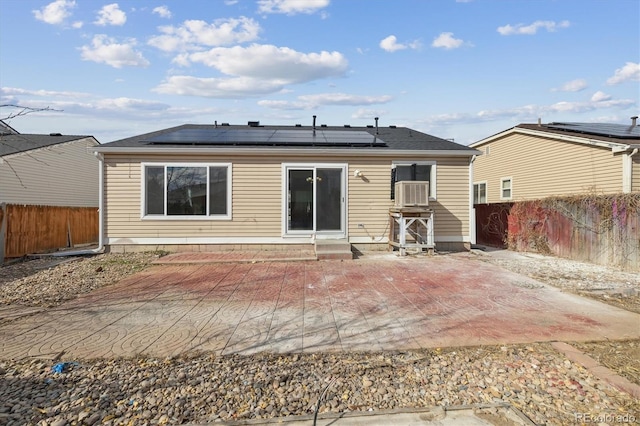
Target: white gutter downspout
{"x":472,"y":211}
{"x":627,"y":171}
{"x":100,"y":248}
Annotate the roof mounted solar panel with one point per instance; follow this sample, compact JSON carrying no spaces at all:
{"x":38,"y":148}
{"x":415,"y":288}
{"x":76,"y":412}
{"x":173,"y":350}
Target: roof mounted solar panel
{"x":266,"y":137}
{"x":620,"y":131}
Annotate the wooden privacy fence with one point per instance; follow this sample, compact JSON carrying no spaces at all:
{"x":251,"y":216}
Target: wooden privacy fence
{"x":602,"y":229}
{"x":491,"y":223}
{"x":599,"y":229}
{"x":38,"y":229}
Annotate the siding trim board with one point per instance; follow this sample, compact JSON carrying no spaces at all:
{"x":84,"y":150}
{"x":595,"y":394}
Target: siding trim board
{"x":258,"y":240}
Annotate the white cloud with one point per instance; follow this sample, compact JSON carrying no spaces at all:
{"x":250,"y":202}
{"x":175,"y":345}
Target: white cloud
{"x":106,"y":50}
{"x":447,"y":41}
{"x":77,"y":25}
{"x":55,"y":12}
{"x":284,"y":105}
{"x":42,"y":93}
{"x":314,"y":101}
{"x":291,"y":7}
{"x":254,"y":70}
{"x":363,"y":113}
{"x":111,"y":14}
{"x":530,"y":113}
{"x":572,"y":86}
{"x":533,"y":28}
{"x":129,"y":104}
{"x":229,"y":88}
{"x":600,"y":97}
{"x":162,"y":11}
{"x":390,"y":44}
{"x":344,"y":99}
{"x":629,"y":72}
{"x":193,"y":34}
{"x":268,"y":62}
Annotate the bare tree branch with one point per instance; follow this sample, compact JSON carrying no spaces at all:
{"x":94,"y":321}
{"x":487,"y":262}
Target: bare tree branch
{"x":24,"y":110}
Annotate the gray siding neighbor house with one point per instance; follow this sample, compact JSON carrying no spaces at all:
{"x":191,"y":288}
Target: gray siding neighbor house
{"x":51,"y":170}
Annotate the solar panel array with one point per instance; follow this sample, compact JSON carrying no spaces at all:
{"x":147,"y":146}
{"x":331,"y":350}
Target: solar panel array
{"x":621,"y":131}
{"x":266,"y":137}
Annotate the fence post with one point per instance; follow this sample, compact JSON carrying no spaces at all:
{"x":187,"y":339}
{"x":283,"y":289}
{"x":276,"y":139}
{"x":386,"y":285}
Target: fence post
{"x":3,"y":229}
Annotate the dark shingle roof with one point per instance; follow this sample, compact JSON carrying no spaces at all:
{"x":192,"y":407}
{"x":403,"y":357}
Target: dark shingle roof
{"x":15,"y":143}
{"x":394,"y":138}
{"x":607,"y":132}
{"x":6,"y":129}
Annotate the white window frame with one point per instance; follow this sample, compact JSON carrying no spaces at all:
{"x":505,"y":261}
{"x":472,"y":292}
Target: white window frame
{"x":432,"y":177}
{"x":143,"y":194}
{"x":483,"y":182}
{"x":510,"y":180}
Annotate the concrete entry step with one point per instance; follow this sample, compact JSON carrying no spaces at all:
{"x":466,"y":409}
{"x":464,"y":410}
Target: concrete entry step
{"x":333,"y":249}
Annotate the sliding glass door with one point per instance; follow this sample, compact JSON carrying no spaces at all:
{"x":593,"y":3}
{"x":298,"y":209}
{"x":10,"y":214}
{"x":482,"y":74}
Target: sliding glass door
{"x":315,"y":200}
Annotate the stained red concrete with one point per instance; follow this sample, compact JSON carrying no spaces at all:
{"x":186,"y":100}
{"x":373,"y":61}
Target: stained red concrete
{"x":375,"y":303}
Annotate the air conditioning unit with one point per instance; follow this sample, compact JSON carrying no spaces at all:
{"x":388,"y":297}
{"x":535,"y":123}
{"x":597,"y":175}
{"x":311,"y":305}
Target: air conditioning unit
{"x":412,"y":193}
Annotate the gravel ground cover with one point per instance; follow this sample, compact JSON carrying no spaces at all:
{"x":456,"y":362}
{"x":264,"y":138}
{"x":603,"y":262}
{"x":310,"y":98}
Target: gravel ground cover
{"x":542,"y":383}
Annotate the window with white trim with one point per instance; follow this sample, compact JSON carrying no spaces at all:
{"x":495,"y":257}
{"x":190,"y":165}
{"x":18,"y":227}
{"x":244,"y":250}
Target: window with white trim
{"x":505,"y":189}
{"x":414,"y":171}
{"x":187,"y":190}
{"x":480,"y":193}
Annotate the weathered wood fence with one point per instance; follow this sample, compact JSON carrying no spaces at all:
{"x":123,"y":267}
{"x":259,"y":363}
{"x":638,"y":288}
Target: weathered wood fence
{"x":598,"y":229}
{"x":38,"y":229}
{"x":491,"y":224}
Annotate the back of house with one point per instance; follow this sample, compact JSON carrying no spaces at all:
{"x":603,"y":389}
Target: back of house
{"x":194,"y":187}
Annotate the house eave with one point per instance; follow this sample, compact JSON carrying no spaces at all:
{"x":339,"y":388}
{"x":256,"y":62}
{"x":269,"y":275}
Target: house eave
{"x":614,"y":147}
{"x":626,"y":148}
{"x":31,"y":151}
{"x":285,"y":151}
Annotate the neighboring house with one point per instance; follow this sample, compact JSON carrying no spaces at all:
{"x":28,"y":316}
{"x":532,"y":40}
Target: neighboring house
{"x":198,"y":185}
{"x":51,"y":170}
{"x":49,"y":192}
{"x":533,"y":161}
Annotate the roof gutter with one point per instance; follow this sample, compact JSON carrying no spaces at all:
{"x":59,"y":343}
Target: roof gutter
{"x":631,"y":148}
{"x":287,"y":151}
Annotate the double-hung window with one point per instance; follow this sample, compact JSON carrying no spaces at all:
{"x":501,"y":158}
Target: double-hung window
{"x":480,"y":193}
{"x":200,"y":191}
{"x":506,"y":189}
{"x":409,"y":170}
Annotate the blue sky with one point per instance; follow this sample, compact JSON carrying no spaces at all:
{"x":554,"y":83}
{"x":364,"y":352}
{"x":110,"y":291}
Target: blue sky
{"x":457,"y":69}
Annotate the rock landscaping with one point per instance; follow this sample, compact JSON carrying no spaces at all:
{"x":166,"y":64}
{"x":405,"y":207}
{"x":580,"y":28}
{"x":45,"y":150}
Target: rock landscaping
{"x":199,"y":387}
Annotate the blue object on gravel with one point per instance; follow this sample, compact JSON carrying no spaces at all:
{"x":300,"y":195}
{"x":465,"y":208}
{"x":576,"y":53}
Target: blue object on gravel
{"x":62,"y":366}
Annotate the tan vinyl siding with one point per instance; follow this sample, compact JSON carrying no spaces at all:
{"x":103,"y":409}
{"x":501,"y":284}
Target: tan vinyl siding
{"x":541,"y":167}
{"x":635,"y":173}
{"x":65,"y":174}
{"x":257,"y":197}
{"x":256,"y":205}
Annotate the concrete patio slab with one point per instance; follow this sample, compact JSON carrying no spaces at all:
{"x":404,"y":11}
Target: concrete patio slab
{"x":377,"y":302}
